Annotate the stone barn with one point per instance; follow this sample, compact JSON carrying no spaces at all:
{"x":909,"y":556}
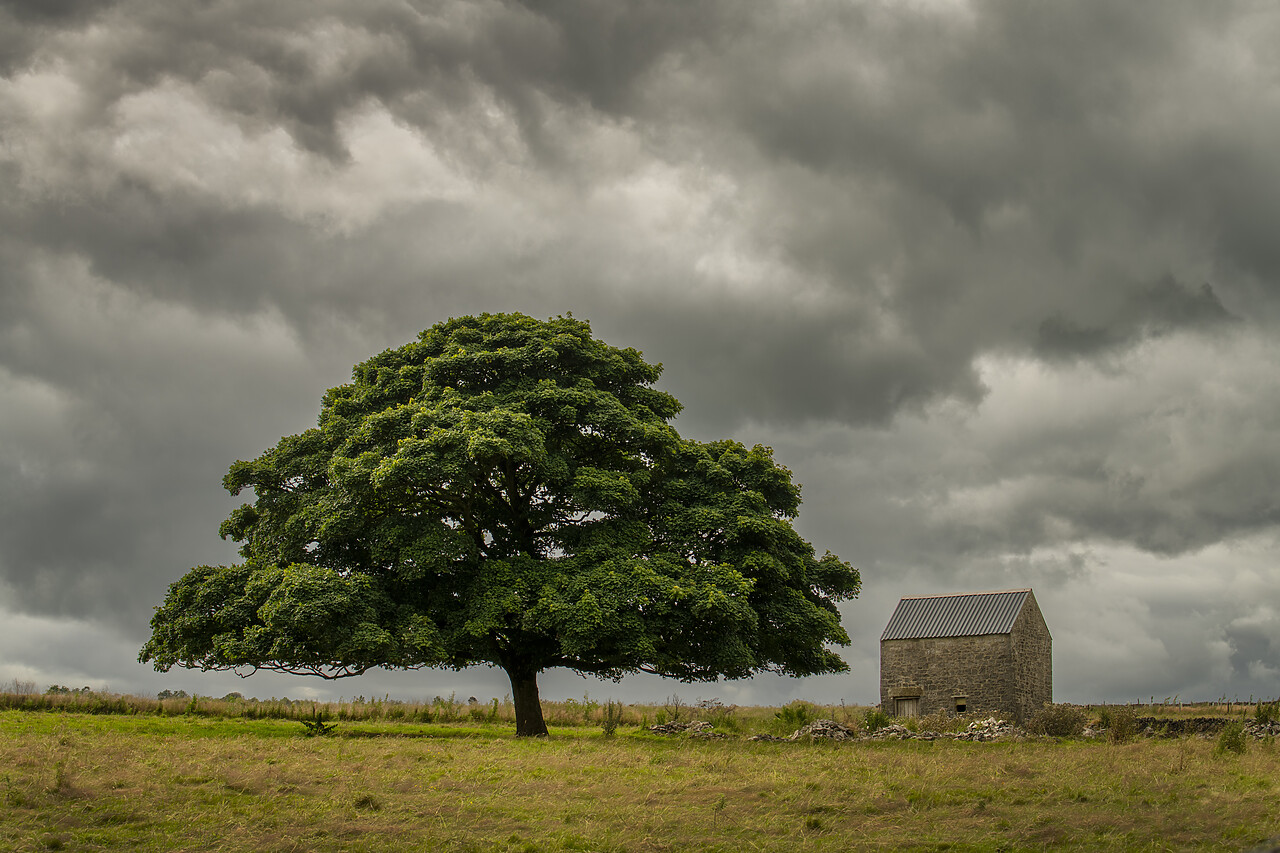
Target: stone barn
{"x":981,"y":651}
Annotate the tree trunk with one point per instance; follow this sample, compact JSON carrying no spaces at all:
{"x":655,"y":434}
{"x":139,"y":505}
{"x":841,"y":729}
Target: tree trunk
{"x":524,"y":693}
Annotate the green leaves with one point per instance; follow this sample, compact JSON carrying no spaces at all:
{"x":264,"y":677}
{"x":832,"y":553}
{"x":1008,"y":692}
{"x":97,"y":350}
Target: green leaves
{"x":295,"y":618}
{"x":509,"y":491}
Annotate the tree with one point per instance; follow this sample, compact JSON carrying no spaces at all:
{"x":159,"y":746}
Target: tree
{"x":510,"y":492}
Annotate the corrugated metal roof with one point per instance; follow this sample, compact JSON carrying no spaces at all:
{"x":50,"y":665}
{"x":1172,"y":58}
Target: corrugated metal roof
{"x":966,"y":615}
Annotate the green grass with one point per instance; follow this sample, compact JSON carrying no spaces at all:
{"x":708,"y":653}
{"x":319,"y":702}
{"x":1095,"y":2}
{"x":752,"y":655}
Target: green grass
{"x":77,"y":781}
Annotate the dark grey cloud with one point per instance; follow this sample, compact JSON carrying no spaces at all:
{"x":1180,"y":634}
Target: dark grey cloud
{"x":304,"y":65}
{"x":997,"y":282}
{"x":52,"y":11}
{"x":24,"y":22}
{"x":1035,"y":167}
{"x":1163,"y":308}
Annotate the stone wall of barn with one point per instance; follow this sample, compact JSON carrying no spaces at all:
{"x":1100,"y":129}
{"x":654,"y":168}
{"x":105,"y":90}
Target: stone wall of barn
{"x":1032,"y":661}
{"x":940,"y":669}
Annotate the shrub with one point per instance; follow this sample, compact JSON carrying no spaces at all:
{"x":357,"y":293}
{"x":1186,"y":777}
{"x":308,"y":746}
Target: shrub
{"x":942,"y":721}
{"x":317,"y":725}
{"x":718,"y":714}
{"x":446,"y":710}
{"x":1057,"y":721}
{"x":1122,"y":726}
{"x":612,"y":717}
{"x":877,"y":720}
{"x":938,"y":721}
{"x":1232,"y":739}
{"x":1268,"y":712}
{"x":795,"y":715}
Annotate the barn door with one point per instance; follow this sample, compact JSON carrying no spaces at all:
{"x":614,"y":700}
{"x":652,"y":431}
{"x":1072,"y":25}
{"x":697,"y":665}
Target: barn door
{"x":907,"y":707}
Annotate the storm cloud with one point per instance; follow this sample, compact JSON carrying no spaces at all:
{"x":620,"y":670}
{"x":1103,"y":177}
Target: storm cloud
{"x":998,"y":283}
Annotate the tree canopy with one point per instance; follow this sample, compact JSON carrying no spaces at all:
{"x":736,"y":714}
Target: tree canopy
{"x":511,"y":492}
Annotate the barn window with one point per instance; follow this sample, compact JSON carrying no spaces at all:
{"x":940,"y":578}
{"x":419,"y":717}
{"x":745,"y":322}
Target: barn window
{"x":962,"y":703}
{"x":907,"y":706}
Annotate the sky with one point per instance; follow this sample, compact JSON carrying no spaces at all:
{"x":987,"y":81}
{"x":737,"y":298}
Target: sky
{"x":999,"y":282}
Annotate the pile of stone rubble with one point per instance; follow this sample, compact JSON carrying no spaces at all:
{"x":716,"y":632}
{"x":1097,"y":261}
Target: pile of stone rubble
{"x":895,"y":731}
{"x":693,"y":727}
{"x":982,"y":730}
{"x":708,"y":734}
{"x":1259,"y":729}
{"x":824,"y":730}
{"x":988,"y":729}
{"x":817,"y":730}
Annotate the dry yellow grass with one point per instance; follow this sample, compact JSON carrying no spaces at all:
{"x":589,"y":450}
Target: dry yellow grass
{"x":79,"y":782}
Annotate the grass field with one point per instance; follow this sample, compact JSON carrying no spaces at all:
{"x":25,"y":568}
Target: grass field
{"x":76,"y":781}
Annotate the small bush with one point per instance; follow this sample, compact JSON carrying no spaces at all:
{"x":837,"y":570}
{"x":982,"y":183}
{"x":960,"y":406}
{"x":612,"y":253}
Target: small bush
{"x":795,"y":715}
{"x":1057,"y":721}
{"x":612,"y":717}
{"x":1268,"y":712}
{"x":938,"y":721}
{"x":446,"y":710}
{"x":1232,"y":739}
{"x":945,"y":721}
{"x":316,"y":726}
{"x":718,"y":714}
{"x":1123,"y":725}
{"x":877,"y":720}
